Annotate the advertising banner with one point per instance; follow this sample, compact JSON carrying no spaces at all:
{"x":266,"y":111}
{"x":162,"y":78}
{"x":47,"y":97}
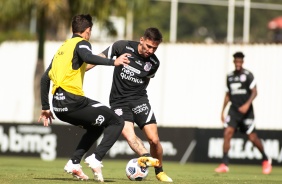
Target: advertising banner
{"x":179,"y":144}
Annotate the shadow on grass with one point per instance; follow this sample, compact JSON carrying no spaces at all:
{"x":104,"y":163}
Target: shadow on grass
{"x":75,"y":179}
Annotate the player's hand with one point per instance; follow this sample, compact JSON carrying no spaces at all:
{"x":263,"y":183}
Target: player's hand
{"x":46,"y":116}
{"x":244,"y":108}
{"x":122,"y":60}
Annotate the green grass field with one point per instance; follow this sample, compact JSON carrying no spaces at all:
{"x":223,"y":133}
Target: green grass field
{"x":25,"y":170}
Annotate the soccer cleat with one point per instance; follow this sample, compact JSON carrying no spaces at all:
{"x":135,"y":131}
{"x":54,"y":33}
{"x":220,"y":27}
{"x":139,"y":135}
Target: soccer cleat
{"x":222,"y":168}
{"x":266,"y":166}
{"x":163,"y":177}
{"x":148,"y":161}
{"x":96,"y":167}
{"x":75,"y":170}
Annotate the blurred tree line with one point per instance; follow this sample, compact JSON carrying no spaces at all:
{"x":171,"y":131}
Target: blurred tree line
{"x":196,"y":23}
{"x":43,"y":20}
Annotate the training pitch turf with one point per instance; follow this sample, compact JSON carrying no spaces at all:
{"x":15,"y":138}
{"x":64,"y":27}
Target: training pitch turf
{"x":25,"y":170}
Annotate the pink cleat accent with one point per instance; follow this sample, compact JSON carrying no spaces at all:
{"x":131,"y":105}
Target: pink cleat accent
{"x":222,"y":168}
{"x":75,"y":170}
{"x":266,"y":166}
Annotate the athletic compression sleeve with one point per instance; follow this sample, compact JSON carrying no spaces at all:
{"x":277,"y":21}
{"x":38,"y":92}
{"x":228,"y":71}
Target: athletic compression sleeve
{"x":45,"y":87}
{"x":83,"y":49}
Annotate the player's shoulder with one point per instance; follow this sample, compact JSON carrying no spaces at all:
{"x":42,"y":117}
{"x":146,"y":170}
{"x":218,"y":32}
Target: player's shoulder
{"x":230,"y":74}
{"x":154,"y":59}
{"x":83,"y":42}
{"x":247,"y":72}
{"x":127,"y":44}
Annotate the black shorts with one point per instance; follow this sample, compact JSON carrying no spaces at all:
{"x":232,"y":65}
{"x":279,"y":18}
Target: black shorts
{"x":244,"y":122}
{"x":137,"y":111}
{"x":82,"y":111}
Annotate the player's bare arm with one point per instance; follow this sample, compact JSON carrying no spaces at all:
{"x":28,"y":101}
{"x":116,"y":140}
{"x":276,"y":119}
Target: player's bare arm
{"x":225,"y":102}
{"x":89,"y":66}
{"x":102,"y":55}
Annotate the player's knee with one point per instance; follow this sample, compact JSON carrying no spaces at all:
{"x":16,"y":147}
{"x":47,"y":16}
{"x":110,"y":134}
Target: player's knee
{"x":118,"y":123}
{"x":228,"y":133}
{"x":253,"y":137}
{"x":154,"y":142}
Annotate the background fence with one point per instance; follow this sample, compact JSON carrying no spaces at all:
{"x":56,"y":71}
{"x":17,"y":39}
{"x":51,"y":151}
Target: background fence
{"x":187,"y":91}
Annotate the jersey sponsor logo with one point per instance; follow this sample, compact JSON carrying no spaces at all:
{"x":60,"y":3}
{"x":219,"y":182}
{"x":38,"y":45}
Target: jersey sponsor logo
{"x":141,"y":108}
{"x":130,"y":57}
{"x":100,"y":119}
{"x":236,"y":78}
{"x":132,"y":69}
{"x":154,"y":61}
{"x":243,"y":78}
{"x":118,"y":112}
{"x":127,"y":74}
{"x":235,"y":89}
{"x":138,"y":62}
{"x":129,"y":48}
{"x":147,"y":66}
{"x":249,"y":121}
{"x":64,"y":109}
{"x":61,"y":53}
{"x":59,"y":96}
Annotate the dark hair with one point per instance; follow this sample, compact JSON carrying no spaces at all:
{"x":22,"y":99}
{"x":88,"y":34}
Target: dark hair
{"x":239,"y":55}
{"x":153,"y":34}
{"x":81,"y":22}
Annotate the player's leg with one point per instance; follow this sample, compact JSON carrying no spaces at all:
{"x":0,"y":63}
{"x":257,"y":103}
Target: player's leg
{"x":113,"y":127}
{"x":95,"y":118}
{"x":156,"y":150}
{"x":140,"y":112}
{"x":257,"y":143}
{"x":227,"y":135}
{"x":266,"y":163}
{"x":145,"y":119}
{"x":151,"y":133}
{"x":230,"y":125}
{"x":248,"y":127}
{"x":135,"y":143}
{"x":73,"y":166}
